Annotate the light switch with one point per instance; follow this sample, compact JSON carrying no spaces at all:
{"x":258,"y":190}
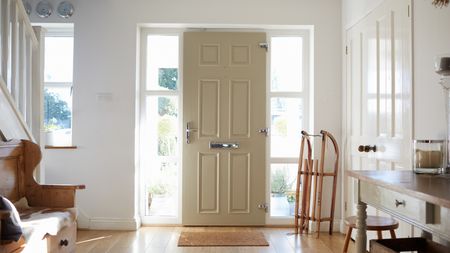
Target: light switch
{"x":104,"y":96}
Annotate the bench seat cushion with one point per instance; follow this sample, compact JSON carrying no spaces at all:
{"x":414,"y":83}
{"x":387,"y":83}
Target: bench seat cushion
{"x":40,"y":222}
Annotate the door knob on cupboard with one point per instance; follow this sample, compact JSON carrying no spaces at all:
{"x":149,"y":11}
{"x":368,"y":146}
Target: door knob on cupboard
{"x":367,"y":148}
{"x":400,"y":203}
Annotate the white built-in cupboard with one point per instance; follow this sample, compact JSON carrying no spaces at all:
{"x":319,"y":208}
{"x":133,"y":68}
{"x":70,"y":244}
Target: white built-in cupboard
{"x":378,"y":97}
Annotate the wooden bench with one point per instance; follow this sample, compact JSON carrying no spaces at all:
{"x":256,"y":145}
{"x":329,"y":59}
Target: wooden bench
{"x":18,"y":160}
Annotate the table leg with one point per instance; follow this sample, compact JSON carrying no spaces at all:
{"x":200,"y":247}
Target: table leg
{"x":361,"y":236}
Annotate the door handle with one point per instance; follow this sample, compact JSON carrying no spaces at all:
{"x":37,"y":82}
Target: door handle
{"x":367,"y":148}
{"x":400,"y":203}
{"x":189,"y":130}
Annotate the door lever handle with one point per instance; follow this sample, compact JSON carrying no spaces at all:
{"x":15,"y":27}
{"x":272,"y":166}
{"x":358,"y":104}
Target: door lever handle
{"x":189,"y":130}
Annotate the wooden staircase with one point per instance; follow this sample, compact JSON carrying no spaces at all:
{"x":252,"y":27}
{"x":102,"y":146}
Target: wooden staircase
{"x":21,"y":75}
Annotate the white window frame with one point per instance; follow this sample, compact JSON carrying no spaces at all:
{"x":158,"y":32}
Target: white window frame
{"x":60,"y":31}
{"x":142,"y":94}
{"x":305,"y":95}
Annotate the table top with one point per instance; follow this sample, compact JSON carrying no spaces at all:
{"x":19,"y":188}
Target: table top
{"x":434,"y":189}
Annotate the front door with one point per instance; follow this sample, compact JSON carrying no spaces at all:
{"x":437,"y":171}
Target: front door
{"x":224,"y":109}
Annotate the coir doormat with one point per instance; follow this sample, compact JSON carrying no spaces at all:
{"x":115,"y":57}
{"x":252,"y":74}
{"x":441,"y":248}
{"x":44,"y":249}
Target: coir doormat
{"x":197,"y":239}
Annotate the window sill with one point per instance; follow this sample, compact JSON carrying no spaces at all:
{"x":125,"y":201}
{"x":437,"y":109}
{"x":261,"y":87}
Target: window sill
{"x":60,"y":147}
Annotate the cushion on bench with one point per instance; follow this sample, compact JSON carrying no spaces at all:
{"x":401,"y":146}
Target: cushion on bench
{"x":38,"y":222}
{"x":34,"y":223}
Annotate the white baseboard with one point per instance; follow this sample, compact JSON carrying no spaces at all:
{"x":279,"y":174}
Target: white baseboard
{"x":102,"y":223}
{"x":342,"y":227}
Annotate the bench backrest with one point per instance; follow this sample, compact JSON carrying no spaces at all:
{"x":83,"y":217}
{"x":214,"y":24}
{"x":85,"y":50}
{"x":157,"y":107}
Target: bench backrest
{"x":18,"y":159}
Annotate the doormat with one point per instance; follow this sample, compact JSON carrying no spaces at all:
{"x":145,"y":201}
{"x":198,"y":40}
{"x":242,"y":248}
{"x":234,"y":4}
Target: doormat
{"x":197,"y":239}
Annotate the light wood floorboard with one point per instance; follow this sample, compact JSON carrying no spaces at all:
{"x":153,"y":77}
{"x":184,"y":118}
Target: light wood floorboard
{"x":165,"y":240}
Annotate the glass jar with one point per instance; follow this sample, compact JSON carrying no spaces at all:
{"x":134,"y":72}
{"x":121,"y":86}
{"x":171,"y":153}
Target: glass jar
{"x":429,"y":156}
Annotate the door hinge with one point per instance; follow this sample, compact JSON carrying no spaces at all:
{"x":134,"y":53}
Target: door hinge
{"x":264,"y":206}
{"x":345,"y":206}
{"x":409,"y":11}
{"x":264,"y":131}
{"x":264,"y":45}
{"x":346,"y":50}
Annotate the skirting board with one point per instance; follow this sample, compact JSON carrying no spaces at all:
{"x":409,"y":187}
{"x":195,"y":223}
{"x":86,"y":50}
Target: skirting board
{"x":113,"y":224}
{"x":101,"y":223}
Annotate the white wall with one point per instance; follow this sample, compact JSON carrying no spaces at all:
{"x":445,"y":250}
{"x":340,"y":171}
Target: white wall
{"x":431,"y":36}
{"x":355,"y":10}
{"x":105,"y":61}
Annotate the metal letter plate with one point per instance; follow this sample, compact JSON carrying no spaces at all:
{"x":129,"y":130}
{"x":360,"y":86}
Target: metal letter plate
{"x":223,"y":145}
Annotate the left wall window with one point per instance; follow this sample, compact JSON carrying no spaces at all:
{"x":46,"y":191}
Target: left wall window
{"x":58,"y":87}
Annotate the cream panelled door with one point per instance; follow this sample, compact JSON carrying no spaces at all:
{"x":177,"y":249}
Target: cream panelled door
{"x":224,"y":102}
{"x":378,"y":94}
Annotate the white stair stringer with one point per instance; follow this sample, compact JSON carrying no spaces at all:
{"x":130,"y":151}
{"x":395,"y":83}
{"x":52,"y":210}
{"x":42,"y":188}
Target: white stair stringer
{"x":12,"y":123}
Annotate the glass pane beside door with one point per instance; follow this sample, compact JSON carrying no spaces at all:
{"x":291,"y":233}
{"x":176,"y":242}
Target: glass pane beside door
{"x":160,"y":130}
{"x":286,"y":121}
{"x":162,"y":168}
{"x":287,"y":97}
{"x":282,"y":189}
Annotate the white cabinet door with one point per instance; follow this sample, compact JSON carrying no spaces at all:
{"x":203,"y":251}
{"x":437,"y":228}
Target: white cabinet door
{"x":379,"y":95}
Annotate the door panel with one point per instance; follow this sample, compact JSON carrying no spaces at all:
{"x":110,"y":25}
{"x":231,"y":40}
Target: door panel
{"x":239,"y":109}
{"x":239,"y":183}
{"x":224,"y":97}
{"x":208,"y":183}
{"x":209,"y":108}
{"x":379,"y":90}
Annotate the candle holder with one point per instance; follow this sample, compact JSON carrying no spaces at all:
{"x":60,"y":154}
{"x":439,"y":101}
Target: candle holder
{"x":429,"y":156}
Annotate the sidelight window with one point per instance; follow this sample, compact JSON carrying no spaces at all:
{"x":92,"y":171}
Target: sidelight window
{"x":288,"y":115}
{"x":160,"y":153}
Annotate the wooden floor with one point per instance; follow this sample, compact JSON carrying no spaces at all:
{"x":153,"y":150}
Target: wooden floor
{"x":165,"y":239}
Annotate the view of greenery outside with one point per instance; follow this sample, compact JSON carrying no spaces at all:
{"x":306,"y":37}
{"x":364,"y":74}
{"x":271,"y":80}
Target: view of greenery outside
{"x":282,"y":189}
{"x":166,"y":135}
{"x":280,"y":181}
{"x":168,"y":78}
{"x":57,"y":114}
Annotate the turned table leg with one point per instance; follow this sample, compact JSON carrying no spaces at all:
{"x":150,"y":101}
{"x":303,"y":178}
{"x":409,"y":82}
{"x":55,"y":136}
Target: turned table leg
{"x":361,"y":236}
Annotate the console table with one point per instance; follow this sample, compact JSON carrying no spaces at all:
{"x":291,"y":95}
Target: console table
{"x":418,"y":199}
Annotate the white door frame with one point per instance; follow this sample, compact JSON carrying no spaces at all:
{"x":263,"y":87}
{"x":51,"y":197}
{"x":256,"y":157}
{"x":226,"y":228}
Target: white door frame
{"x":306,"y":31}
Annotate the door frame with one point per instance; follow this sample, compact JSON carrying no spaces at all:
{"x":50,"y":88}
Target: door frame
{"x":306,"y":31}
